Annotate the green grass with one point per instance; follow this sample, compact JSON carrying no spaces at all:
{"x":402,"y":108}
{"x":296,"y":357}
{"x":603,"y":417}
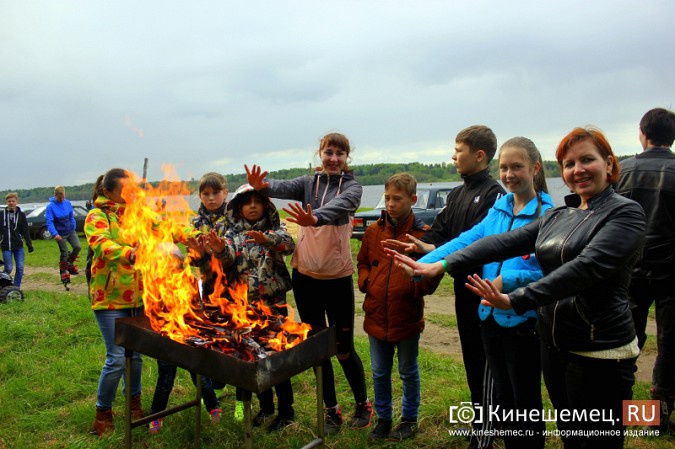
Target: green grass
{"x":449,"y":321}
{"x":52,"y":353}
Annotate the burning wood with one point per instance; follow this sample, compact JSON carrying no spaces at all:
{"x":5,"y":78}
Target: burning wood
{"x":225,"y":321}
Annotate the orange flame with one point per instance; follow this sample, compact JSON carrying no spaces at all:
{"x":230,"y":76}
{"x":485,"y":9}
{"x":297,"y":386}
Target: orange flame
{"x":154,"y":218}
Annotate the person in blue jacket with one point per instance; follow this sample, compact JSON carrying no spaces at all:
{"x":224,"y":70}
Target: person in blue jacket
{"x":511,"y":345}
{"x":61,"y":225}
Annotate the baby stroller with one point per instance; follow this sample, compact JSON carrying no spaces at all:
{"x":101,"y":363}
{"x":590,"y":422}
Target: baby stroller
{"x":8,"y":291}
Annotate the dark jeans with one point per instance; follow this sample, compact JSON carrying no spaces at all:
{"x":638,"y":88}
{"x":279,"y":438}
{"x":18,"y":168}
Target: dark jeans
{"x":584,"y":384}
{"x":74,"y":241}
{"x":332,"y":298}
{"x":513,"y":356}
{"x":166,"y":375}
{"x":643,"y":292}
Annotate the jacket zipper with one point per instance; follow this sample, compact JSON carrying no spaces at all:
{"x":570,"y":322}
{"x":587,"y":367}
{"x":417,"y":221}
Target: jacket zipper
{"x":562,"y":261}
{"x":583,"y":317}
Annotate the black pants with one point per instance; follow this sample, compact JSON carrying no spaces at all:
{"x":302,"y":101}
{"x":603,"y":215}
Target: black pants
{"x":584,"y":384}
{"x":318,"y":299}
{"x":166,"y":375}
{"x":478,"y":373}
{"x":643,"y":292}
{"x":513,"y":356}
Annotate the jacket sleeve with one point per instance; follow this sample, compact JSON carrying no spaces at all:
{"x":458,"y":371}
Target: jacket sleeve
{"x":363,"y":260}
{"x":345,"y":204}
{"x":438,"y":233}
{"x":23,"y":226}
{"x":72,"y":217}
{"x":461,"y":241}
{"x":291,"y":189}
{"x":99,"y":238}
{"x":49,"y":218}
{"x":280,"y":241}
{"x":495,"y":247}
{"x":601,"y":257}
{"x":512,"y":279}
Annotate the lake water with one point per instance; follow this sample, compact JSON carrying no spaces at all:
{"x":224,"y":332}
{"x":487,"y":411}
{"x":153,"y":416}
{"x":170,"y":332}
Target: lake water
{"x":556,"y":188}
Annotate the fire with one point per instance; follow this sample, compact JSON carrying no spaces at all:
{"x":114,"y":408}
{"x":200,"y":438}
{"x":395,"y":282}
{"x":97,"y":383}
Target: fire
{"x":155,"y":217}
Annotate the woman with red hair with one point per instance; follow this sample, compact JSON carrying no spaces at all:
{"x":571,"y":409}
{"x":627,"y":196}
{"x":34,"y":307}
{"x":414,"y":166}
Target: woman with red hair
{"x":586,"y":250}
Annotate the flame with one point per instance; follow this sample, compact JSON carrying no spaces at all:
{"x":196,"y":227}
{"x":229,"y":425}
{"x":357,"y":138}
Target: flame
{"x":156,"y":217}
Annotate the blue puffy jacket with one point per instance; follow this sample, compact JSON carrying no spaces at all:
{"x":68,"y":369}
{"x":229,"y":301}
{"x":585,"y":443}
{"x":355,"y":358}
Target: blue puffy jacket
{"x":60,"y":217}
{"x":515,"y":272}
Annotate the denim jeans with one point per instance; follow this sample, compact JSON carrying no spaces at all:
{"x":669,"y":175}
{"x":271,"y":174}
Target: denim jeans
{"x":74,"y":241}
{"x":115,"y":362}
{"x":19,"y":259}
{"x":382,"y":361}
{"x":166,"y":375}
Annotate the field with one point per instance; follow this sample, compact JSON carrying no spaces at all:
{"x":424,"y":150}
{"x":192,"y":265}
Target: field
{"x":52,"y":353}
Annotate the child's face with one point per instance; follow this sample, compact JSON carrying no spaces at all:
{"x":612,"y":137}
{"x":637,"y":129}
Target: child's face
{"x":466,"y":161}
{"x":11,"y":203}
{"x":333,"y":160}
{"x":253,"y":210}
{"x":515,"y":170}
{"x":212,"y":199}
{"x":398,"y":203}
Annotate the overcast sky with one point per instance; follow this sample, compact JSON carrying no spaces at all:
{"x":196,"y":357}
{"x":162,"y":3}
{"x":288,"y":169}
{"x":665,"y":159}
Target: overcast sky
{"x":88,"y":85}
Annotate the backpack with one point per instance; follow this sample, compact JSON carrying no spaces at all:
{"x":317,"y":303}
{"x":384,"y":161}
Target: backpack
{"x":90,"y":258}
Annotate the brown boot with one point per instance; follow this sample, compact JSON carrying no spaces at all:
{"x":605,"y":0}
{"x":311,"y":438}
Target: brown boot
{"x":136,"y":407}
{"x":103,"y":425}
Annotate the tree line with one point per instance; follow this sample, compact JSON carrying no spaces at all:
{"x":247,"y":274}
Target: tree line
{"x":366,"y":174}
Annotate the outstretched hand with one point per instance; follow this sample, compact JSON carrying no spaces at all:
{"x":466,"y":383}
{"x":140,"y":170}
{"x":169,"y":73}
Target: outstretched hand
{"x":489,"y":292}
{"x":413,"y":245}
{"x":256,"y":177}
{"x":413,"y":268}
{"x":256,"y":237}
{"x":300,"y":216}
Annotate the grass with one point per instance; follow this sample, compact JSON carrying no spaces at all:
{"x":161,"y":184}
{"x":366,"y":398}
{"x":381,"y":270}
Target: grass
{"x":51,"y":356}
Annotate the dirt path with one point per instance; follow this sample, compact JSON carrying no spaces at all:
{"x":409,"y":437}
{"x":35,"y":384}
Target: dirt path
{"x":439,"y":339}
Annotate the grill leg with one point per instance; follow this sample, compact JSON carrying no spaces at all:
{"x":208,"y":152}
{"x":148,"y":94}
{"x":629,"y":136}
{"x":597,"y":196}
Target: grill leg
{"x":319,"y":403}
{"x":127,"y":396}
{"x":248,"y":426}
{"x":198,"y":408}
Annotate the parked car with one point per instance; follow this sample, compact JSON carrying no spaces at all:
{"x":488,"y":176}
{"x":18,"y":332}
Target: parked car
{"x":25,"y":208}
{"x":37,"y":222}
{"x":430,"y":201}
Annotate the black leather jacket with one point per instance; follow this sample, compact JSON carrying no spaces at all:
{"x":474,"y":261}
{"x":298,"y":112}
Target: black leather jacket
{"x":587,"y":257}
{"x":649,"y":179}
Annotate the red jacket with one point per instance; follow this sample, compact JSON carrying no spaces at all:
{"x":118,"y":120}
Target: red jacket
{"x":394,"y":303}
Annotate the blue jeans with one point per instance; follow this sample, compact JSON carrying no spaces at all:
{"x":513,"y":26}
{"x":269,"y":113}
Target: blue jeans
{"x":18,"y":259}
{"x":115,"y":362}
{"x":382,"y":361}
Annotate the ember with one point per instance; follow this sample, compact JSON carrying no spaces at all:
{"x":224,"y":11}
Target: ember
{"x":224,"y":321}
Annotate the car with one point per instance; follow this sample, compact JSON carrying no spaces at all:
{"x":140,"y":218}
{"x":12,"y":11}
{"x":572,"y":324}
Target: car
{"x":430,"y":201}
{"x":37,"y":222}
{"x":25,"y":208}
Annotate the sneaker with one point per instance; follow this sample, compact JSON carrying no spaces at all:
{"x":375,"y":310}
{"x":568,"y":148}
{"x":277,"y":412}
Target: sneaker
{"x":381,"y":430}
{"x":279,"y":423}
{"x":215,"y":415}
{"x":261,"y":417}
{"x":155,"y":425}
{"x":333,"y":420}
{"x":362,"y":415}
{"x":239,"y":411}
{"x":405,"y":430}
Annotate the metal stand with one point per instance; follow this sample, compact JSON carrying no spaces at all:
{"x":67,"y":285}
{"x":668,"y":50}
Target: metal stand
{"x":248,"y":419}
{"x":130,"y":424}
